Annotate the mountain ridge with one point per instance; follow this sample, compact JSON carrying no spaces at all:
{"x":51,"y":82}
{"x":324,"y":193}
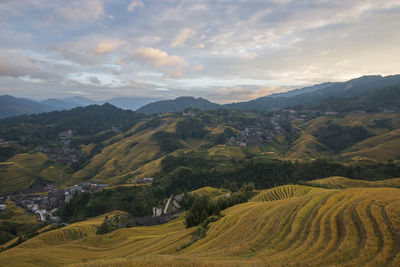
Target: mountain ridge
{"x":178,"y":104}
{"x":309,"y":95}
{"x":14,"y":106}
{"x":298,"y":97}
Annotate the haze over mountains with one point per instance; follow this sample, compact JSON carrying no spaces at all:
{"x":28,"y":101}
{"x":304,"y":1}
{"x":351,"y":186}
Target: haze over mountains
{"x":299,"y":97}
{"x":12,"y":106}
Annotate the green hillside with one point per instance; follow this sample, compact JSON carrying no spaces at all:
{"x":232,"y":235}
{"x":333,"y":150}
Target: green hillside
{"x":146,"y":149}
{"x":375,"y":138}
{"x":116,"y":146}
{"x":24,"y":170}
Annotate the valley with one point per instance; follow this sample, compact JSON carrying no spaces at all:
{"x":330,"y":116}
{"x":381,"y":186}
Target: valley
{"x":199,"y":133}
{"x":104,"y":186}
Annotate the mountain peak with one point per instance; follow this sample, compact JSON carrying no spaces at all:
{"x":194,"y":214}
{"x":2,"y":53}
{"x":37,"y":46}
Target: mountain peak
{"x":178,"y":104}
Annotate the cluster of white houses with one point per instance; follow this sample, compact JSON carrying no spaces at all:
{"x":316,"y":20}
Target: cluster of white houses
{"x":251,"y":137}
{"x":44,"y":206}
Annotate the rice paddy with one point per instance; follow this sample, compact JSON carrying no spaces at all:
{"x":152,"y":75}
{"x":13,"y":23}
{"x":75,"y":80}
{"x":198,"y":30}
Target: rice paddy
{"x":290,"y":225}
{"x":343,"y":182}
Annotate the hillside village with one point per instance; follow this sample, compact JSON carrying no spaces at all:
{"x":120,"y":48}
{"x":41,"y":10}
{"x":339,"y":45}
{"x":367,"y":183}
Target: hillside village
{"x":64,"y":153}
{"x":258,"y":136}
{"x":45,"y":205}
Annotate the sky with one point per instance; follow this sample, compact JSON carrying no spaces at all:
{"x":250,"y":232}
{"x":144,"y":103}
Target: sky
{"x":221,"y":50}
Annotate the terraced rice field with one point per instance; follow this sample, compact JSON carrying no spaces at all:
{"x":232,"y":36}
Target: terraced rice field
{"x":284,"y":192}
{"x":284,"y":226}
{"x":20,"y":171}
{"x":343,"y":182}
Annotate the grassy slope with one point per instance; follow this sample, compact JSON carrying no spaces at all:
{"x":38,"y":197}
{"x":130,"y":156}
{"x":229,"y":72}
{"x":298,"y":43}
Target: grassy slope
{"x":376,"y":149}
{"x":384,"y":145}
{"x":21,"y":171}
{"x":307,"y":147}
{"x":126,"y":158}
{"x":131,"y":158}
{"x":355,"y":226}
{"x":123,"y":160}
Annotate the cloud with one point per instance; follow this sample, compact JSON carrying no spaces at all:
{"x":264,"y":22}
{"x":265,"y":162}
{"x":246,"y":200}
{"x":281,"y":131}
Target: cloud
{"x":180,"y":39}
{"x":135,"y":3}
{"x":81,"y":10}
{"x":94,"y":80}
{"x":200,"y":46}
{"x":157,"y":58}
{"x":250,"y":56}
{"x":171,"y":65}
{"x":176,"y":75}
{"x":106,"y":46}
{"x":162,"y":89}
{"x":155,"y":40}
{"x":18,"y":66}
{"x":77,"y":92}
{"x":78,"y":52}
{"x":226,"y":94}
{"x":245,"y":46}
{"x":198,"y":67}
{"x":89,"y":50}
{"x":17,"y":8}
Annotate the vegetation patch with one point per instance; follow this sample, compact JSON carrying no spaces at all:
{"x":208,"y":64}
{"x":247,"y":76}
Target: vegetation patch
{"x":136,"y":201}
{"x":16,"y":223}
{"x":112,"y":223}
{"x":338,"y":137}
{"x":168,"y":142}
{"x":190,"y":128}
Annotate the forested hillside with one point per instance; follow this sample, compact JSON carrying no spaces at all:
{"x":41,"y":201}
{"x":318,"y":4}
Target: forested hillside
{"x":117,"y":146}
{"x":236,"y":164}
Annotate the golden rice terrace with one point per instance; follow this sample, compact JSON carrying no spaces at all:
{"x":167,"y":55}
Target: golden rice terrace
{"x":285,"y":226}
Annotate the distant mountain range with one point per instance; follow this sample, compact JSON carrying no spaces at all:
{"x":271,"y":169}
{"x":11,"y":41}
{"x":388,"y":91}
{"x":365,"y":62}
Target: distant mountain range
{"x":311,"y":95}
{"x":299,"y":97}
{"x":11,"y":106}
